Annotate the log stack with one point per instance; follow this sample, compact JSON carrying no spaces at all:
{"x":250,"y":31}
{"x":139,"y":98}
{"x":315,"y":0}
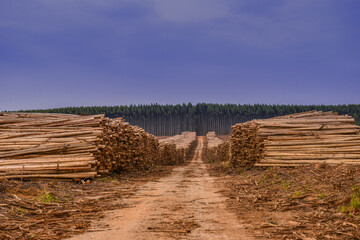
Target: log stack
{"x":182,"y":140}
{"x":48,"y":145}
{"x":212,"y":140}
{"x":62,"y":146}
{"x":297,"y":139}
{"x":176,"y":149}
{"x":124,"y":147}
{"x":216,"y":151}
{"x":246,"y":146}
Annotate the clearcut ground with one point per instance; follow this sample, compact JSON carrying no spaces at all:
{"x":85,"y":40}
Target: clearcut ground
{"x":184,"y":205}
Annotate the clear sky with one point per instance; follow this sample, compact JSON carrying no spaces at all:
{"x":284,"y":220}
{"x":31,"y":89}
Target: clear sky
{"x":58,"y":53}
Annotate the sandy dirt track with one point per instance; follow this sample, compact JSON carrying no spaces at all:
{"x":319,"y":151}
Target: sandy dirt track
{"x":183,"y":205}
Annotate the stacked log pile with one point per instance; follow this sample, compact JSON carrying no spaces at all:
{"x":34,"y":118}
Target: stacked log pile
{"x":48,"y":145}
{"x":63,"y":146}
{"x":212,"y":140}
{"x":216,"y":149}
{"x":297,"y":139}
{"x":181,"y":141}
{"x":246,"y":146}
{"x":124,"y":147}
{"x":178,"y":148}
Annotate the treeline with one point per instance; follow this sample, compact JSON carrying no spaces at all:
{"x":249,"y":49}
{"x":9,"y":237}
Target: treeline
{"x":165,"y":120}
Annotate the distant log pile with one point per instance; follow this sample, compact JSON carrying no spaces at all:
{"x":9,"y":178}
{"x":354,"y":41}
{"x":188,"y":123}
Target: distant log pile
{"x":63,"y":146}
{"x":212,"y":140}
{"x":216,"y":149}
{"x":297,"y":139}
{"x":178,"y":148}
{"x":181,"y":141}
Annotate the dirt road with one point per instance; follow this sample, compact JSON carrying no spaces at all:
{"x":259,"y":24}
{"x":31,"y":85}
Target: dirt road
{"x":183,"y":205}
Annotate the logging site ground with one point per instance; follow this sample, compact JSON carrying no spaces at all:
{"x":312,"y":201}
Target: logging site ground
{"x":192,"y":201}
{"x":289,"y":177}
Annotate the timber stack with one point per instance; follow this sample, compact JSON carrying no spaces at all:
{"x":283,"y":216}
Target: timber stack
{"x":216,"y":149}
{"x":123,"y":147}
{"x":62,"y":146}
{"x":212,"y":140}
{"x":177,"y":149}
{"x":296,"y":139}
{"x":48,"y":145}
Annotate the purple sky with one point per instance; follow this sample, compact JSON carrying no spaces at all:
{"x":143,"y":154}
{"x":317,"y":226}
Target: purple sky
{"x":58,"y":53}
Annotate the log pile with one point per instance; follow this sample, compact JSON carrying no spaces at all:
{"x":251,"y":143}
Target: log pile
{"x":216,"y":151}
{"x":62,"y":146}
{"x":212,"y":140}
{"x":177,"y":149}
{"x":124,"y":147}
{"x":181,"y":141}
{"x":297,"y":139}
{"x":246,"y":146}
{"x":48,"y":145}
{"x":170,"y":155}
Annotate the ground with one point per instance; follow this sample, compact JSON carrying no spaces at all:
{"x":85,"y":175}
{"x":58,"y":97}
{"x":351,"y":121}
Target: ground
{"x":314,"y":202}
{"x":56,"y":210}
{"x":192,"y":201}
{"x":183,"y":205}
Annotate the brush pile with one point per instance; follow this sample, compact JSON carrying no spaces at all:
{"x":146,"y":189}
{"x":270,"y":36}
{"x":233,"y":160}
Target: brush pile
{"x":62,"y":146}
{"x":178,"y":148}
{"x":297,"y":139}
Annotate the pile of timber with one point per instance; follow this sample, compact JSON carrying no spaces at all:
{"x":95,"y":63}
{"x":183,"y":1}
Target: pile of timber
{"x":124,"y":147}
{"x":216,"y":150}
{"x":297,"y":139}
{"x":178,"y":148}
{"x":212,"y":140}
{"x":170,"y":155}
{"x":62,"y":146}
{"x":181,"y":141}
{"x":48,"y":145}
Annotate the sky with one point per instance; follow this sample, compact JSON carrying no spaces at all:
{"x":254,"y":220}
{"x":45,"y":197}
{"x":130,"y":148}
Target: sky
{"x":59,"y":53}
